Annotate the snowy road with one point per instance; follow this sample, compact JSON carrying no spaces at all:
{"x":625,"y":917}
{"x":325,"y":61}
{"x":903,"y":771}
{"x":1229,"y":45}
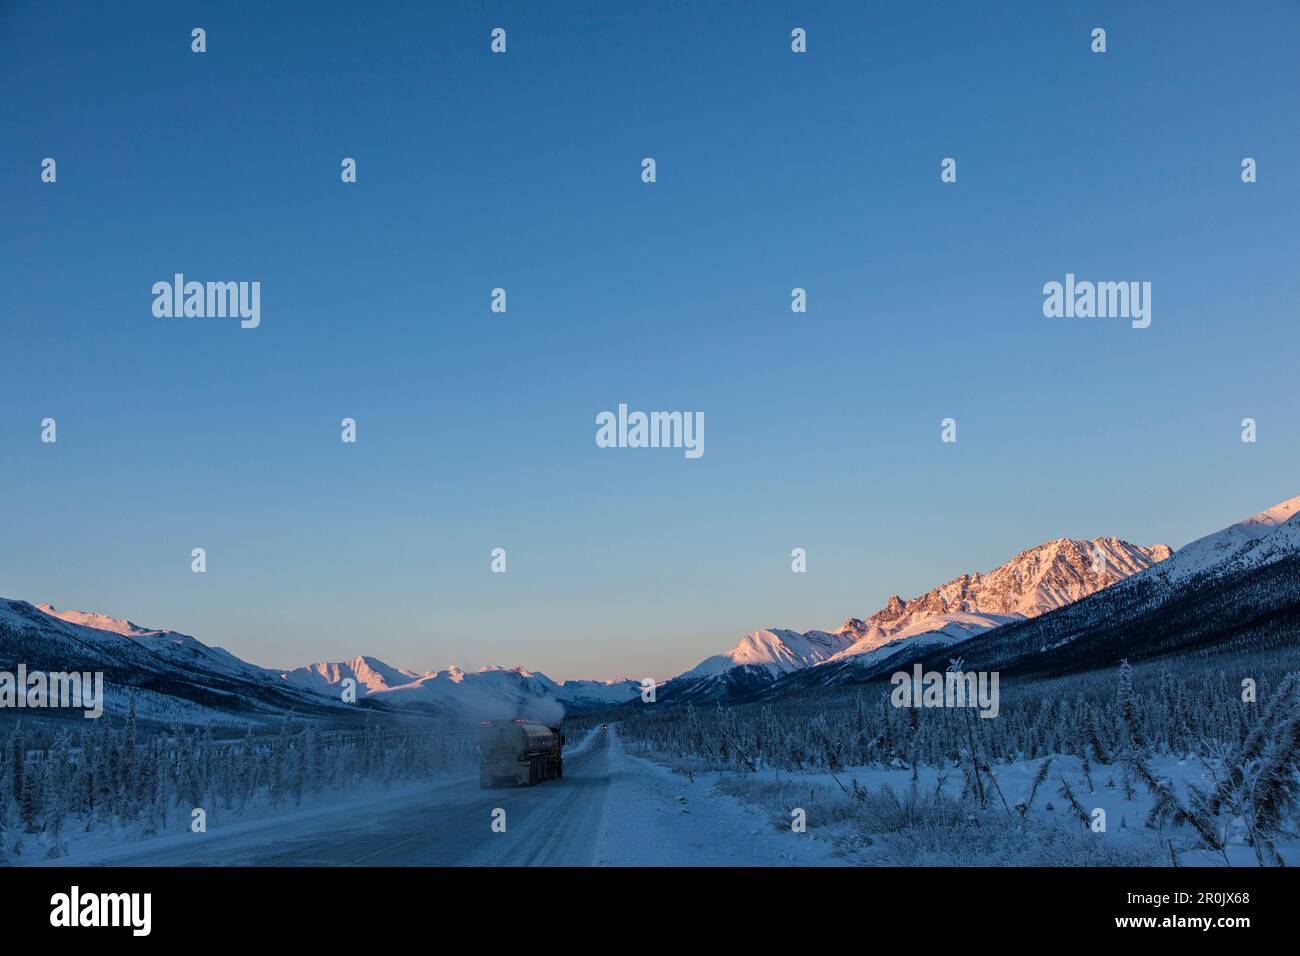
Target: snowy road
{"x":555,"y":823}
{"x":610,"y":809}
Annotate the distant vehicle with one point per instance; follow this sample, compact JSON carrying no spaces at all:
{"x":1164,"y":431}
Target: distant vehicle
{"x":523,"y":752}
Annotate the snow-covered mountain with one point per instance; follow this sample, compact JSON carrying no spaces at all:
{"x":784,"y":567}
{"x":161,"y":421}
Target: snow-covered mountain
{"x":1237,"y":589}
{"x":1251,"y":541}
{"x":181,"y":650}
{"x":488,"y":693}
{"x":1034,"y":581}
{"x":371,"y":674}
{"x":1037,"y":580}
{"x":774,"y":651}
{"x":1054,"y":607}
{"x":170,"y":675}
{"x":175,"y":675}
{"x":937,"y":630}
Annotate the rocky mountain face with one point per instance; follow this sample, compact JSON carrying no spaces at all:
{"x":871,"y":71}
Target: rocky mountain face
{"x":1037,"y":580}
{"x":1235,"y":590}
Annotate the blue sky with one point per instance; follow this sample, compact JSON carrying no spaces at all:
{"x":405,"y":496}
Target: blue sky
{"x":523,"y":171}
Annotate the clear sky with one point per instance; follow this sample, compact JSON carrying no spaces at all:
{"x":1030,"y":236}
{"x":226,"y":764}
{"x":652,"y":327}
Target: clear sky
{"x":477,"y":430}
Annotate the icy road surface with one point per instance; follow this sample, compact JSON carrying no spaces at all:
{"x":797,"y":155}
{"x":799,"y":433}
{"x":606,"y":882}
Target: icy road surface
{"x":611,"y":809}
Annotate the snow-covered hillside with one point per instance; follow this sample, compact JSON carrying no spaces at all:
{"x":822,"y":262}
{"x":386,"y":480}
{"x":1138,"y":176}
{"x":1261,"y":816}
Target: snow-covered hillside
{"x":1238,"y":588}
{"x":491,"y":692}
{"x":1037,"y":580}
{"x":939,"y":630}
{"x":181,"y":650}
{"x":178,"y":675}
{"x":171,"y":675}
{"x":1257,"y":540}
{"x":371,"y":674}
{"x":775,"y":651}
{"x":1058,"y":574}
{"x":1040,"y":579}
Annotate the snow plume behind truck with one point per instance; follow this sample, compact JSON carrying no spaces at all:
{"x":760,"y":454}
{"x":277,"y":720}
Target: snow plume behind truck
{"x":519,"y":751}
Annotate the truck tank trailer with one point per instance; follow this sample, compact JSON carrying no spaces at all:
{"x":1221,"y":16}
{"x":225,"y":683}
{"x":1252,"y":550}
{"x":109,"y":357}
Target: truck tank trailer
{"x":519,"y":751}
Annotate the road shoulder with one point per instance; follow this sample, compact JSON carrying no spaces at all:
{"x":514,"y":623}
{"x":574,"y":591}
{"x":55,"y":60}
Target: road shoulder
{"x":655,"y":817}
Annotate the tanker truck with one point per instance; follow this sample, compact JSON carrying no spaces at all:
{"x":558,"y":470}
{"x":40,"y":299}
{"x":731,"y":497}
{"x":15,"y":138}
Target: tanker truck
{"x":518,"y":751}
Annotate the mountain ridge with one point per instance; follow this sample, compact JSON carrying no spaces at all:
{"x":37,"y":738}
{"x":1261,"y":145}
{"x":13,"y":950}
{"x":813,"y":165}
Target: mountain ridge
{"x":1239,"y":586}
{"x":132,"y":655}
{"x":1037,"y":579}
{"x":1065,"y":593}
